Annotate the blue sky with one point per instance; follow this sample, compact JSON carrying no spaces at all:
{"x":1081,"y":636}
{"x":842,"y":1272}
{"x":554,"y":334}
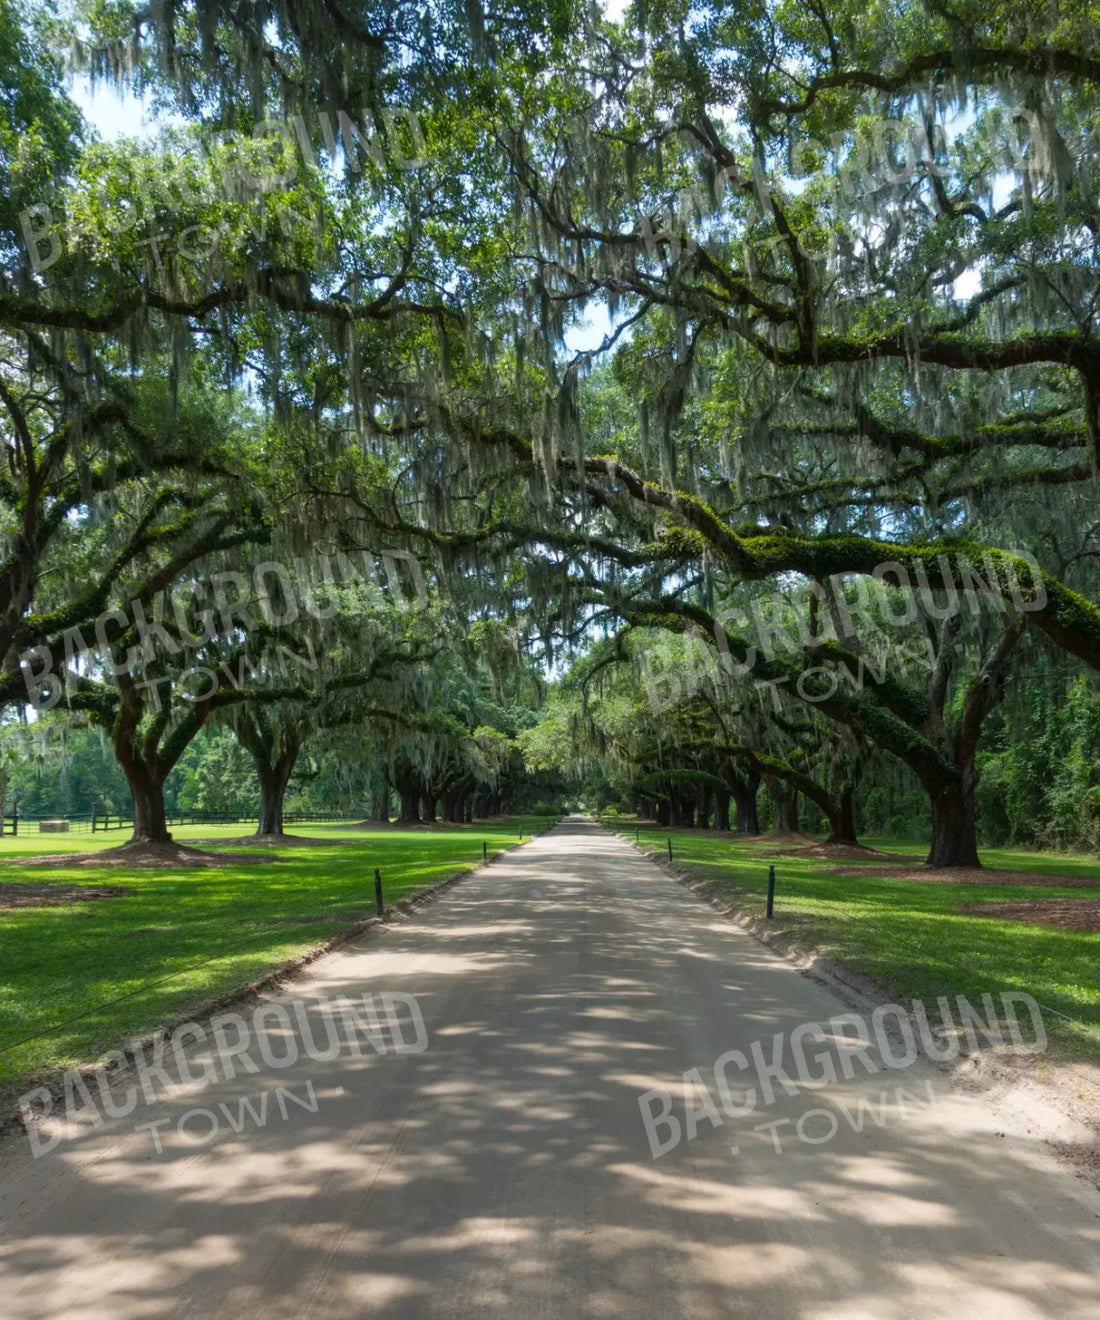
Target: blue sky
{"x":113,"y":113}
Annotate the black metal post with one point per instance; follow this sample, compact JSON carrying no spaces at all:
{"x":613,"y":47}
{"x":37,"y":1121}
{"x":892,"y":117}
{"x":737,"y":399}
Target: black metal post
{"x":635,"y":834}
{"x":484,"y":851}
{"x":768,"y":912}
{"x":14,"y":819}
{"x":378,"y":891}
{"x":670,"y":847}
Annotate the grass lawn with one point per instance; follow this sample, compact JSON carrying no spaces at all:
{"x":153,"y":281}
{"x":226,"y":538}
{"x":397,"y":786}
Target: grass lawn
{"x":911,"y":938}
{"x":181,"y":935}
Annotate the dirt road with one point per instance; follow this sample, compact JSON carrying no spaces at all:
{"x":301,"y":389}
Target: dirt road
{"x":505,"y":1168}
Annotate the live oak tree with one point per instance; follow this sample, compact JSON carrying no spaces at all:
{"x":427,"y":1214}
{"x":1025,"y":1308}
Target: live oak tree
{"x":275,"y":733}
{"x":370,"y":686}
{"x":153,"y":704}
{"x":100,"y":470}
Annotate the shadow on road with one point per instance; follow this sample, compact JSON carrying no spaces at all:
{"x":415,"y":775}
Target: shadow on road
{"x":506,"y":1170}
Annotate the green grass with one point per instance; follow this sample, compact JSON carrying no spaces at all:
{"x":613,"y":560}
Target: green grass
{"x":77,"y":980}
{"x":912,"y":938}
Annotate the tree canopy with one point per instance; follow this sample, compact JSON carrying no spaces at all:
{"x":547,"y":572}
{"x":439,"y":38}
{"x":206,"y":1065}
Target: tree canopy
{"x":828,"y":464}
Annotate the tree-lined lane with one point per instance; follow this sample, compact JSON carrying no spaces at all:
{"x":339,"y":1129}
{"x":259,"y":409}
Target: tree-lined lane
{"x":506,"y":1168}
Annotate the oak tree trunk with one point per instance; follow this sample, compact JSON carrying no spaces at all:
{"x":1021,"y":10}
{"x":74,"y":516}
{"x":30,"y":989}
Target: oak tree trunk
{"x":271,"y":805}
{"x":786,"y":808}
{"x":745,"y":793}
{"x":842,"y":820}
{"x":954,"y":826}
{"x":380,"y":805}
{"x":147,"y":792}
